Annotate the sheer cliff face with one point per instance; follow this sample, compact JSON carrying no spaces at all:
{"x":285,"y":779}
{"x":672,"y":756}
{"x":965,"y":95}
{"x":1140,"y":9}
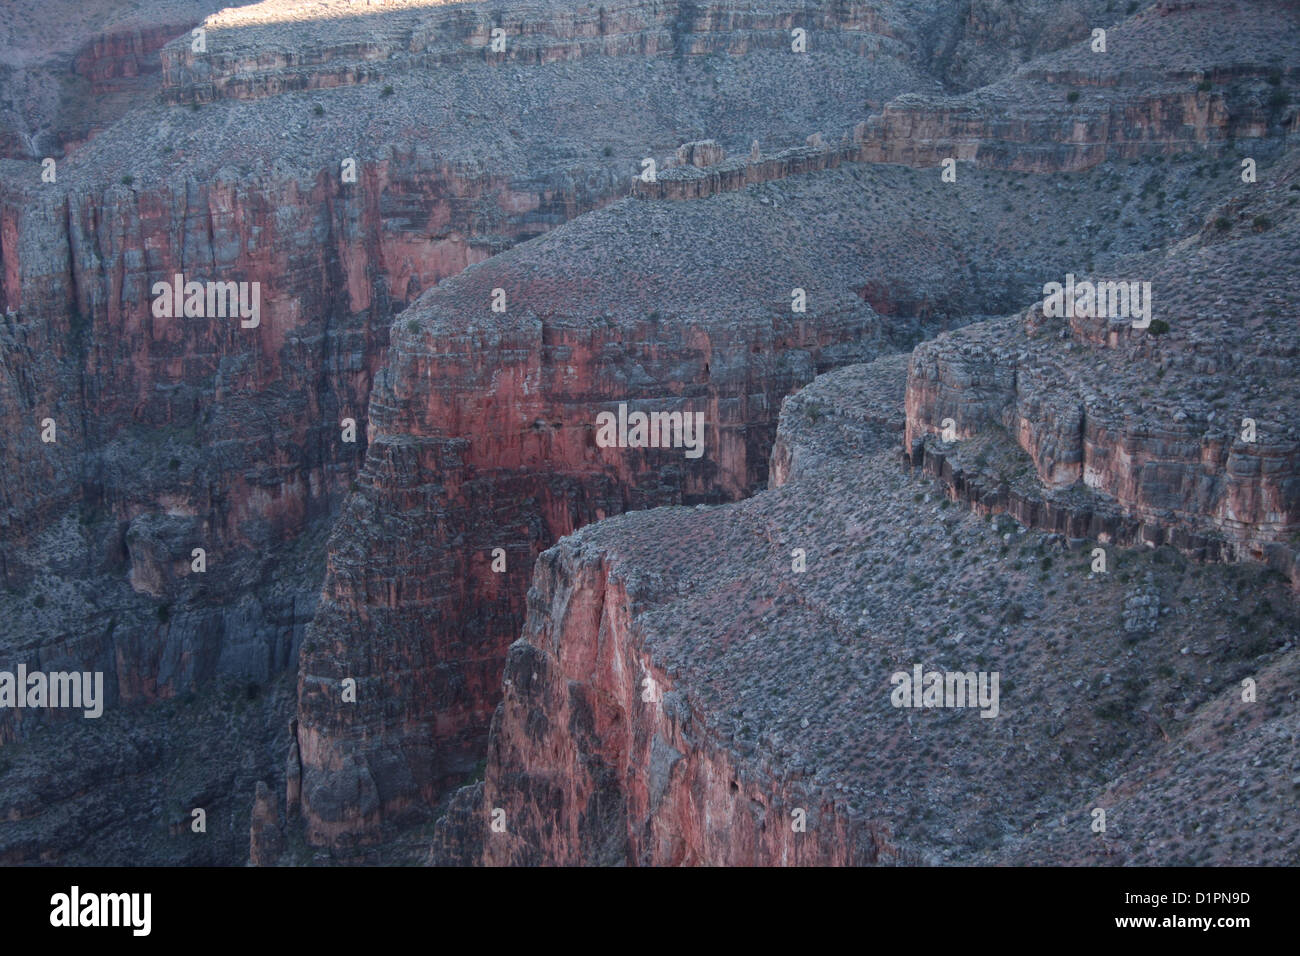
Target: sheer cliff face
{"x":483,"y":428}
{"x":683,"y":686}
{"x":476,"y":430}
{"x":484,"y":436}
{"x":187,"y":432}
{"x":597,"y":758}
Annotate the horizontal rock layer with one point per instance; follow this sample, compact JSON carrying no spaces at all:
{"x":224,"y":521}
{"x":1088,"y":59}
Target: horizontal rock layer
{"x":1184,"y":432}
{"x":262,"y":50}
{"x":683,"y":684}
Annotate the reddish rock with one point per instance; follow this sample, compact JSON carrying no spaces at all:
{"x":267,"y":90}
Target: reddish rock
{"x":587,"y":771}
{"x":266,"y":835}
{"x":483,"y":436}
{"x":1139,"y":435}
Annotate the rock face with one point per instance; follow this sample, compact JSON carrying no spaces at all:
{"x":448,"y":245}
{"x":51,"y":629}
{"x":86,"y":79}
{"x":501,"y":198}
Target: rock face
{"x":266,"y":839}
{"x":249,"y":55}
{"x":123,"y":61}
{"x":681,"y":686}
{"x":1163,"y":84}
{"x":1184,"y":432}
{"x":368,"y":471}
{"x":597,"y":758}
{"x":1150,"y":93}
{"x":483,"y":432}
{"x":595,"y":755}
{"x":484,"y":437}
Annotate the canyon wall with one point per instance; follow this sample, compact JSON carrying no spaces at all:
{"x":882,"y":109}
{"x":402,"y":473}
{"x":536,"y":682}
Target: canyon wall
{"x":483,"y":425}
{"x":475,"y":429}
{"x":1066,"y":111}
{"x":182,"y":433}
{"x":250,"y":55}
{"x":684,"y":683}
{"x":1177,"y":431}
{"x":596,"y":758}
{"x":175,"y":434}
{"x":483,"y":436}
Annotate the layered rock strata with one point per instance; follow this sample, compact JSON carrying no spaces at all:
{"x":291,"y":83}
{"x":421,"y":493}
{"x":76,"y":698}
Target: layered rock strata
{"x":1164,"y":85}
{"x":1184,"y":432}
{"x":681,"y":688}
{"x":484,"y":429}
{"x":255,"y":51}
{"x":239,"y":432}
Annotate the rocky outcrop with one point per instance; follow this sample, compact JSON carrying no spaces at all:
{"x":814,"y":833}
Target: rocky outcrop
{"x":1193,"y":80}
{"x":1064,"y":112}
{"x":596,"y":758}
{"x":116,"y":62}
{"x":852,"y":412}
{"x":484,"y":450}
{"x":727,"y":174}
{"x":266,"y":49}
{"x":1184,"y":432}
{"x":265,"y":838}
{"x":176,"y":434}
{"x":687,"y":679}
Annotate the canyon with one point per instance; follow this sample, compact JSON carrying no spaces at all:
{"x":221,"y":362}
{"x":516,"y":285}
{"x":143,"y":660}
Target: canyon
{"x":451,"y":608}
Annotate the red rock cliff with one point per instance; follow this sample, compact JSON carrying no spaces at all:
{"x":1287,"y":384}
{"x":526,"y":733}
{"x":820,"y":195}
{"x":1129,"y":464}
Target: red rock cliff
{"x":483,"y":437}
